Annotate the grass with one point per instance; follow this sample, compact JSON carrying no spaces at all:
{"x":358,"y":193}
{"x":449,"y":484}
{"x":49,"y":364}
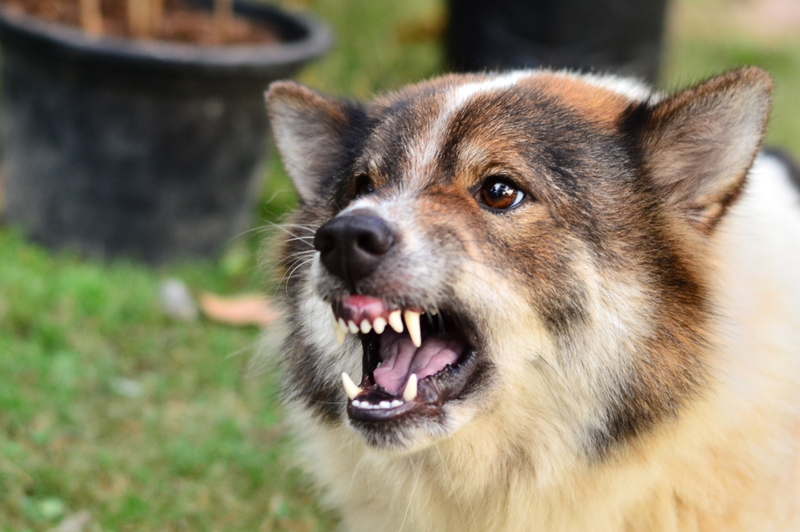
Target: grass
{"x":109,"y":407}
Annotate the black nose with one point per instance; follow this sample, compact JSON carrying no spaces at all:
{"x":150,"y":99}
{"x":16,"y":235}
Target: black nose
{"x":352,"y":246}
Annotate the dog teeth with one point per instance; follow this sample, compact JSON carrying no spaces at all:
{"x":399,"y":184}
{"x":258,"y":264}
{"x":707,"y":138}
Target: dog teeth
{"x":383,"y":405}
{"x":410,"y":393}
{"x":412,"y":322}
{"x":350,"y":387}
{"x":395,"y":321}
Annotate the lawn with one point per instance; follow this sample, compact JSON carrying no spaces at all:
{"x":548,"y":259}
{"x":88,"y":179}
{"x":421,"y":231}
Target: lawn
{"x":115,"y":417}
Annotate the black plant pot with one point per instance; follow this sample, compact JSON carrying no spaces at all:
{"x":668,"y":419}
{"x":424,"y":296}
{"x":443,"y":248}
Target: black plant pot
{"x":139,"y":148}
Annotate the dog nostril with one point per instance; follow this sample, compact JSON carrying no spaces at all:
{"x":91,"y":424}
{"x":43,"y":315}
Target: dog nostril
{"x":352,"y":246}
{"x":376,"y":243}
{"x":324,"y":240}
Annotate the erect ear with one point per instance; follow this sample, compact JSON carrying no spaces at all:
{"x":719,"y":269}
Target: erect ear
{"x":309,"y":130}
{"x":700,"y":143}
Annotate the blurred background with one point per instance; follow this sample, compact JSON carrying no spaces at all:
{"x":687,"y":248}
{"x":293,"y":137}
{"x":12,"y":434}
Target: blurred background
{"x":118,"y":415}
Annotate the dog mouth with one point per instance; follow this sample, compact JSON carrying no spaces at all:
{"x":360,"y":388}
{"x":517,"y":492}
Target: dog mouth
{"x":414,"y":360}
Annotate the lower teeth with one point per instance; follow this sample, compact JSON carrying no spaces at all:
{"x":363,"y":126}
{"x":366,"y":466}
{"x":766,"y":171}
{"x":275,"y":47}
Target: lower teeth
{"x":383,"y":405}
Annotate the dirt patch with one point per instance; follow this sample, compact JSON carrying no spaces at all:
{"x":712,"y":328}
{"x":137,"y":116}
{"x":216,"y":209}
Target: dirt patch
{"x":768,"y":22}
{"x":178,"y":23}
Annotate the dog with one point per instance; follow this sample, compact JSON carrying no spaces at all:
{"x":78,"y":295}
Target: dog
{"x":543,"y":301}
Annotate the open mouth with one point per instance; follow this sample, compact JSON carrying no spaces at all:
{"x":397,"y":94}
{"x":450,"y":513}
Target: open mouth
{"x":414,"y":360}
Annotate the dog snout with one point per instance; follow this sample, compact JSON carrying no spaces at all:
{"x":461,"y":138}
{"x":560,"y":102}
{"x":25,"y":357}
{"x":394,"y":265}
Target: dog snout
{"x":352,"y":246}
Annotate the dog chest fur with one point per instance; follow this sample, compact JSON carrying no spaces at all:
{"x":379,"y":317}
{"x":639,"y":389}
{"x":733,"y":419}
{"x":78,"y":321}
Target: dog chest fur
{"x":617,"y":280}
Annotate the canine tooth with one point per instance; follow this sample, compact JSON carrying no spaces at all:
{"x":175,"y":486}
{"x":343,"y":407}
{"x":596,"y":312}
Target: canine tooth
{"x":365,"y":326}
{"x":385,"y":404}
{"x":379,"y":325}
{"x":411,"y":388}
{"x":395,"y":321}
{"x":350,"y":387}
{"x":340,"y":335}
{"x":357,"y":403}
{"x":396,"y":403}
{"x":412,"y":322}
{"x":340,"y":329}
{"x":433,"y":311}
{"x":352,"y":326}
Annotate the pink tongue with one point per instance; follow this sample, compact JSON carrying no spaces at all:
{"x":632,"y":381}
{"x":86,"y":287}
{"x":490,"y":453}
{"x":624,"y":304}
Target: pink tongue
{"x":401,"y":358}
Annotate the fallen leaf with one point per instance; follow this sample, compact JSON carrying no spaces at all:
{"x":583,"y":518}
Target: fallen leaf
{"x":244,"y":309}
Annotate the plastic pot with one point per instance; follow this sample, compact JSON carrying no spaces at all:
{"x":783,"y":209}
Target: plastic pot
{"x":619,"y":36}
{"x":139,"y":148}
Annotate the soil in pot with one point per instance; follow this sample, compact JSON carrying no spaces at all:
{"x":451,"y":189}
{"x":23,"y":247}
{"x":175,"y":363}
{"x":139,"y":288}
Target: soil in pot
{"x":179,"y":22}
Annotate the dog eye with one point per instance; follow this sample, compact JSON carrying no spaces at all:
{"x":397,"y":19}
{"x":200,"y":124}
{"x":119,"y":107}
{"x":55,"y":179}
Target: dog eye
{"x":497,"y":193}
{"x":364,"y":185}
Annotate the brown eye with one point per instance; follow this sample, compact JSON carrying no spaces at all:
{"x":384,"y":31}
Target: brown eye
{"x":498,"y":193}
{"x":364,"y":185}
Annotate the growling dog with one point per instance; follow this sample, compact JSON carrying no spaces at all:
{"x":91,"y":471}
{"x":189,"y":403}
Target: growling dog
{"x":539,"y":301}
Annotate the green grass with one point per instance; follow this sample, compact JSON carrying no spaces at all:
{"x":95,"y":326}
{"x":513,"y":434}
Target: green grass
{"x":110,"y":407}
{"x":107,"y":405}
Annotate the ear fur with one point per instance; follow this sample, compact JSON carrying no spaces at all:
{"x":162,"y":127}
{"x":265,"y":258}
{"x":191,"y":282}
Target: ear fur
{"x":700,"y":143}
{"x":309,"y":130}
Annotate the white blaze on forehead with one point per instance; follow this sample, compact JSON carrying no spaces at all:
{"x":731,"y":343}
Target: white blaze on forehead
{"x":460,"y":95}
{"x":423,"y":152}
{"x":629,"y":87}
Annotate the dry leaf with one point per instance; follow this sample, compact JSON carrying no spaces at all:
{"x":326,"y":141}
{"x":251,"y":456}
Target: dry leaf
{"x":244,"y":309}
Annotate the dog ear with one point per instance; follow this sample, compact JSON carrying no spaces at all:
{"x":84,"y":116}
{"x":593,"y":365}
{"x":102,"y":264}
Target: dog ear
{"x":309,"y":131}
{"x":700,"y":143}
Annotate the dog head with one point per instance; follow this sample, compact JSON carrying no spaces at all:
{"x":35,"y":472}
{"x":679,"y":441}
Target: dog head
{"x":526,"y":247}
